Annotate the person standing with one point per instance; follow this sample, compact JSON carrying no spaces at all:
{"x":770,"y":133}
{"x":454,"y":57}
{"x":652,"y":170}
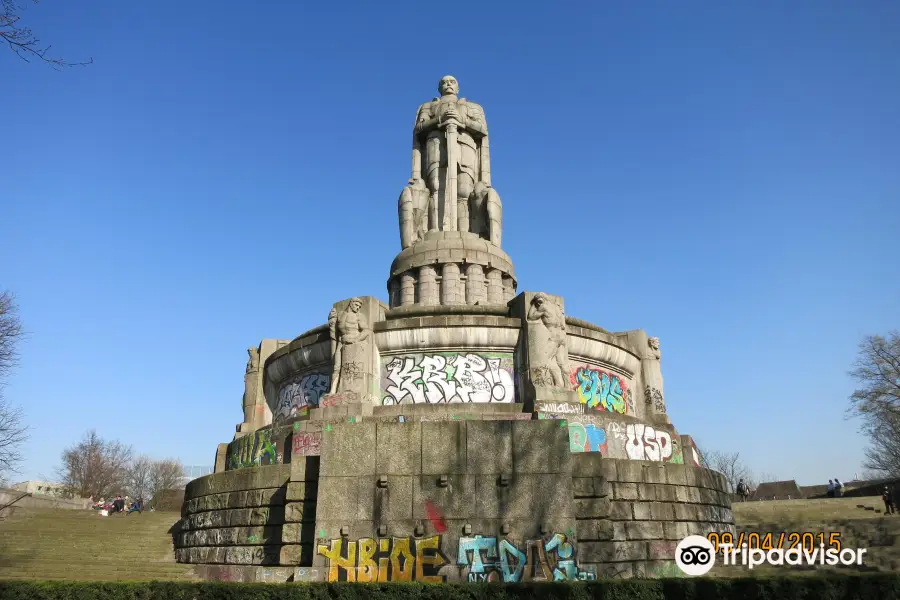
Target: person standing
{"x":838,"y":488}
{"x":888,"y":501}
{"x":830,"y":489}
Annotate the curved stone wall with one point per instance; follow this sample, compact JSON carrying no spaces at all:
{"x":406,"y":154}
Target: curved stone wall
{"x":632,"y":514}
{"x":232,"y":526}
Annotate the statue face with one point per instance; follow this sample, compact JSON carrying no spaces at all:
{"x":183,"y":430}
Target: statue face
{"x":355,"y":305}
{"x":654,"y":343}
{"x":448,"y":85}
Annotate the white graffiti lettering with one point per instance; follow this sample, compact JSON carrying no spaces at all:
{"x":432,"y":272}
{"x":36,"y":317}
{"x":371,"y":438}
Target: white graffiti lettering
{"x":646,"y":443}
{"x":301,"y":393}
{"x":561,"y":408}
{"x":444,"y":378}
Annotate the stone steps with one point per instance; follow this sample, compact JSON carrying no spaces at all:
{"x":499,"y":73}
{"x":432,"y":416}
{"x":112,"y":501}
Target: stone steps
{"x":83,"y":546}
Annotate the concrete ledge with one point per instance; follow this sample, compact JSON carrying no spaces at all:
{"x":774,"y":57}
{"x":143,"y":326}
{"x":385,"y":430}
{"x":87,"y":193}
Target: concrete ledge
{"x":269,"y":476}
{"x":234,"y":517}
{"x":244,"y":574}
{"x":247,"y":499}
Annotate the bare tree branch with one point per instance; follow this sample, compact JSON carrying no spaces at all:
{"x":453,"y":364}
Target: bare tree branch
{"x":165,"y":475}
{"x":21,"y":40}
{"x":95,"y":467}
{"x":13,"y":432}
{"x":138,"y":477}
{"x":877,"y":401}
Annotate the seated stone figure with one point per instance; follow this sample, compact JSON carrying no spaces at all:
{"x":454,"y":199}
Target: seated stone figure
{"x":485,"y":213}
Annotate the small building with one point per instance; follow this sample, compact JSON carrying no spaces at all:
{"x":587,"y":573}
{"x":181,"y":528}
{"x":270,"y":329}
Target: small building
{"x":778,"y":490}
{"x":43,"y":488}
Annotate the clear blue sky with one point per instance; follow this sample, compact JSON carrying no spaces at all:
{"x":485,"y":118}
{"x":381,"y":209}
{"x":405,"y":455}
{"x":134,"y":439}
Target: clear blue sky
{"x":725,"y":175}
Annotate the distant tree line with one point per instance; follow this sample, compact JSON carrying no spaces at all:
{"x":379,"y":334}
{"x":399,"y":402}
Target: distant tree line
{"x":98,"y":468}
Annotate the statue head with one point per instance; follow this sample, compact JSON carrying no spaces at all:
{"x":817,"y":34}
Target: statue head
{"x":653,"y":343}
{"x":355,"y":304}
{"x":448,"y":86}
{"x":539,"y":299}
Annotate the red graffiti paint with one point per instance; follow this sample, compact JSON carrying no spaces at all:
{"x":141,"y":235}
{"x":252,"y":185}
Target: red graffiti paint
{"x":435,"y":516}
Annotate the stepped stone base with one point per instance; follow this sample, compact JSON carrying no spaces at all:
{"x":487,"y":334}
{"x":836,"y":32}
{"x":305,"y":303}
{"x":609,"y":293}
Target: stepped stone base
{"x":401,"y":501}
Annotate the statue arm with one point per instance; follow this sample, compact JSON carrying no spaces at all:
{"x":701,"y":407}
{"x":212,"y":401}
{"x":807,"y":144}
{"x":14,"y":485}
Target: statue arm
{"x":534,"y":314}
{"x":364,"y":330}
{"x":475,"y":121}
{"x":424,"y":120}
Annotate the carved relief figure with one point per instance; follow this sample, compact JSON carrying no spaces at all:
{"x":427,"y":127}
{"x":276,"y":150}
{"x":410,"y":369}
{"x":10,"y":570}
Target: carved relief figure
{"x":653,"y":382}
{"x":548,"y":351}
{"x":450,"y":158}
{"x":413,"y":212}
{"x":251,"y":384}
{"x":349,"y":330}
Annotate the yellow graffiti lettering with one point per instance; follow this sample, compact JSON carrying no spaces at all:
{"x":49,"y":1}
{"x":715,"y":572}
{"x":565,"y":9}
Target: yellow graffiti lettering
{"x":401,"y":570}
{"x":366,"y":570}
{"x":432,"y":559}
{"x":337,"y":562}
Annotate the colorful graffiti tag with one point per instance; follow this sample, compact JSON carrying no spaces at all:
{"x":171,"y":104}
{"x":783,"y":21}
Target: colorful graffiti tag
{"x":296,"y":397}
{"x":586,"y":437}
{"x":448,"y":377}
{"x":600,"y":390}
{"x":307,"y":444}
{"x":384,"y":559}
{"x":252,"y":450}
{"x":487,"y":559}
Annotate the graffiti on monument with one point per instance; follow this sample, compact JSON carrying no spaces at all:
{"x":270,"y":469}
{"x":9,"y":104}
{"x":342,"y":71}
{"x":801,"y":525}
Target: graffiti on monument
{"x":298,"y":395}
{"x":485,"y":558}
{"x":253,"y":450}
{"x":384,"y":559}
{"x":643,"y":442}
{"x":307,"y":444}
{"x":587,"y":437}
{"x":448,"y":377}
{"x":601,"y":390}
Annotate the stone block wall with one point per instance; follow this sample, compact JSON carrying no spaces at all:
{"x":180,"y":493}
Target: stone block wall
{"x":632,"y":514}
{"x":232,"y":525}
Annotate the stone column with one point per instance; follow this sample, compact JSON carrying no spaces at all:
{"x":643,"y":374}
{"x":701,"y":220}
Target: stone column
{"x":407,"y":289}
{"x":450,"y":292}
{"x":428,"y":287}
{"x":475,"y":291}
{"x":508,"y":291}
{"x":494,"y":287}
{"x":394,"y":292}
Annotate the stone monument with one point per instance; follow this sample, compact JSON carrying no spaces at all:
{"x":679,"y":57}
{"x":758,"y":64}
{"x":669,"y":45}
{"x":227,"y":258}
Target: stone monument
{"x":460,"y":432}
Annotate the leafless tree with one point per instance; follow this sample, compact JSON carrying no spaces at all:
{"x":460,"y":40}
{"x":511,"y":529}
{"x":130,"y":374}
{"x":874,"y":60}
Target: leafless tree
{"x":165,"y":475}
{"x":138,"y":477}
{"x":13,"y":432}
{"x":728,"y":464}
{"x":21,"y":39}
{"x":877,"y":401}
{"x":95,"y":467}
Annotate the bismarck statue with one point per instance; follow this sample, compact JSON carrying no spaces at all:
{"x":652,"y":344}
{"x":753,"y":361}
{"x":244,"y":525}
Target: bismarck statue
{"x":450,"y":186}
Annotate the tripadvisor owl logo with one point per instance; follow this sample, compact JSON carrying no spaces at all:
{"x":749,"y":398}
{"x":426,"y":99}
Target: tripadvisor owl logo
{"x":695,"y":555}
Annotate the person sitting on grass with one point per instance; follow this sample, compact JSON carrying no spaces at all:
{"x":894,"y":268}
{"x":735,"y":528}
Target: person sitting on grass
{"x":136,"y":506}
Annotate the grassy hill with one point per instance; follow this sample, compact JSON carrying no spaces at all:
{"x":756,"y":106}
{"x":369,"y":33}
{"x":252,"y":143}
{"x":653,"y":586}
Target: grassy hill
{"x":859,"y":521}
{"x":82,"y":545}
